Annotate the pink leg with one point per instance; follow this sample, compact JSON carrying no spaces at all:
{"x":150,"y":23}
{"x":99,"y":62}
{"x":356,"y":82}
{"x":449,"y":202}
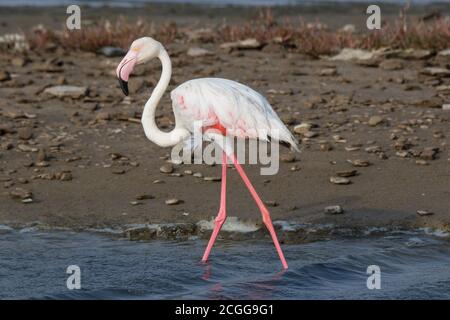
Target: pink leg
{"x":222,"y":211}
{"x":265,"y":213}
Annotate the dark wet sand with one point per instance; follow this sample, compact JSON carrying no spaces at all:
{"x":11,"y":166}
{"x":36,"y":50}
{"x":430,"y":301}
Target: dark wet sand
{"x":386,"y":193}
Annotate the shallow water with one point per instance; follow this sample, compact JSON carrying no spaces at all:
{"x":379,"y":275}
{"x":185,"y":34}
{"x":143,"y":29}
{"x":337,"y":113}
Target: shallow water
{"x":33,"y":265}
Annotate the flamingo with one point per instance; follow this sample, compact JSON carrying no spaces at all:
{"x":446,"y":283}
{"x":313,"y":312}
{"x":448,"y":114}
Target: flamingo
{"x":224,"y":107}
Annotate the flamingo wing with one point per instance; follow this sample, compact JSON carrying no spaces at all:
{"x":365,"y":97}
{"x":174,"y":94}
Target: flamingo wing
{"x":227,"y":104}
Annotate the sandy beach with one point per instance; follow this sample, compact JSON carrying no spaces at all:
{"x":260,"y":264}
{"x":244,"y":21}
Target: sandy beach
{"x":81,"y":160}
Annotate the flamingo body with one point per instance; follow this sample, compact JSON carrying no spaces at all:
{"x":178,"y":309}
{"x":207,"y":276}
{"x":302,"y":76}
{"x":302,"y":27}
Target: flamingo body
{"x":229,"y":106}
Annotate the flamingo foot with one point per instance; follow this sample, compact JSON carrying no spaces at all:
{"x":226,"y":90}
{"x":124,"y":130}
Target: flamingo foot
{"x":219,"y":221}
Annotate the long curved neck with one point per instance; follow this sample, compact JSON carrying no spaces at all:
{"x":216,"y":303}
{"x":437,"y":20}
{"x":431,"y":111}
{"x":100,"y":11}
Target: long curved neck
{"x":153,"y":133}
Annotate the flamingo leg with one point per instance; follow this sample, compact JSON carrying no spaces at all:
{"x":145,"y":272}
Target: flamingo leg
{"x":265,"y":213}
{"x":222,"y":215}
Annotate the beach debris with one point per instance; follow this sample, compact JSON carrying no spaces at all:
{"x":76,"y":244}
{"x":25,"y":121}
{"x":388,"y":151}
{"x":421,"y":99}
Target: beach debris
{"x":111,"y":51}
{"x":375,"y":120}
{"x":166,"y":168}
{"x":172,"y":201}
{"x":199,"y":52}
{"x":392,"y":64}
{"x":328,"y":72}
{"x":348,"y":54}
{"x":118,"y":171}
{"x":429,"y":153}
{"x":359,"y":162}
{"x":325,"y":146}
{"x":346,"y":173}
{"x":445,"y":53}
{"x":339,"y":180}
{"x":250,"y":43}
{"x":20,"y":193}
{"x":214,"y":179}
{"x":66,"y":91}
{"x":334,"y":210}
{"x":436,"y":71}
{"x":423,"y":213}
{"x":144,"y":197}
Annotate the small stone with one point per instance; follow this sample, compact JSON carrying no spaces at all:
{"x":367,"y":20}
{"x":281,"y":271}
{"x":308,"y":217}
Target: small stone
{"x":333,"y":210}
{"x":135,"y":203}
{"x":27,"y":200}
{"x":392,"y":64}
{"x":144,"y":197}
{"x":25,"y":133}
{"x":250,"y":43}
{"x":198,"y":175}
{"x":359,"y":163}
{"x":328,"y":72}
{"x":65,"y":91}
{"x":346,"y":173}
{"x":287,"y":157}
{"x":421,"y":162}
{"x":271,"y":203}
{"x":436,"y":71}
{"x":429,"y":153}
{"x":375,"y":120}
{"x":166,"y":168}
{"x":66,"y":176}
{"x":339,"y":180}
{"x":212,"y":179}
{"x":325,"y":146}
{"x":188,"y":172}
{"x":199,"y":52}
{"x":20,"y":193}
{"x":423,"y":213}
{"x":42,"y":164}
{"x":41,"y":156}
{"x":310,"y":134}
{"x":118,"y":171}
{"x":295,"y":167}
{"x":19,"y":61}
{"x":446,"y":107}
{"x":173,"y":201}
{"x":302,"y":128}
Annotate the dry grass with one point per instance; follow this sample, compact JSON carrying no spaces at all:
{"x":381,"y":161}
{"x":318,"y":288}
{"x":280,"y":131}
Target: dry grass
{"x":312,"y":39}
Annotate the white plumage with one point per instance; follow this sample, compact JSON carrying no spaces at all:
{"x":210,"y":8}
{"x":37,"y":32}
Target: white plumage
{"x":242,"y":111}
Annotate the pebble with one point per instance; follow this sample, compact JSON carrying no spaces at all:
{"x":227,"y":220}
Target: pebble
{"x":19,"y":61}
{"x":118,"y":171}
{"x":334,"y":210}
{"x":375,"y":120}
{"x":212,"y":178}
{"x":346,"y":173}
{"x":173,"y":201}
{"x":25,"y":133}
{"x":271,"y":203}
{"x":339,"y":180}
{"x":424,"y":213}
{"x":166,"y":168}
{"x":20,"y":193}
{"x":144,"y":197}
{"x":302,"y":128}
{"x":295,"y":167}
{"x":287,"y":157}
{"x":188,"y":172}
{"x":446,"y":107}
{"x":392,"y":64}
{"x":436,"y":71}
{"x":359,"y":163}
{"x":429,"y":153}
{"x":328,"y":72}
{"x":199,"y":52}
{"x":250,"y":43}
{"x":64,"y":91}
{"x":325,"y":146}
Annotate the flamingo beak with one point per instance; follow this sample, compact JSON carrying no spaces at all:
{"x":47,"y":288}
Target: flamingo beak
{"x":125,"y":68}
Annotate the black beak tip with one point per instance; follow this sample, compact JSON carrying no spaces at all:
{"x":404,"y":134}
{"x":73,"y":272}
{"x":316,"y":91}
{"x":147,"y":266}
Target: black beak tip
{"x":124,"y":86}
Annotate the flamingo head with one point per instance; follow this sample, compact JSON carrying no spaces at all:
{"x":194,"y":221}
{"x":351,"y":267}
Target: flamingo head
{"x":141,"y":51}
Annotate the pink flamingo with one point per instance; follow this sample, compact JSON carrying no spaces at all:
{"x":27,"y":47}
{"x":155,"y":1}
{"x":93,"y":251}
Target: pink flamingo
{"x":223,"y":106}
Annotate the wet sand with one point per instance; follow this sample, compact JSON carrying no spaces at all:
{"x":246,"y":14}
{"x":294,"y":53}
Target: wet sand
{"x":98,"y":164}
